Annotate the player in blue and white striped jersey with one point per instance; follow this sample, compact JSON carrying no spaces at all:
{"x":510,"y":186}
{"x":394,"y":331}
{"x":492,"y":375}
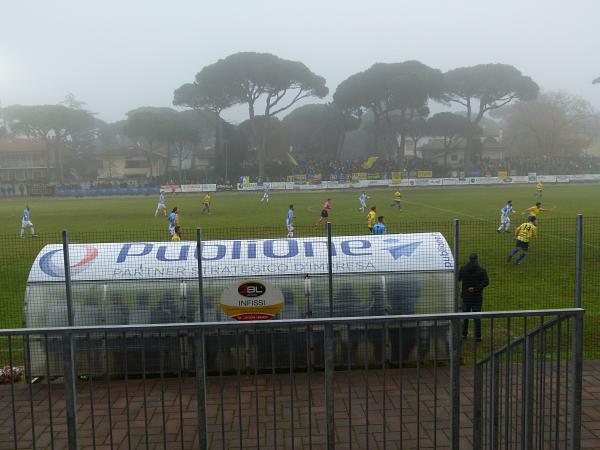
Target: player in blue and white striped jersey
{"x":505,"y":217}
{"x":363,"y":201}
{"x":26,"y":222}
{"x":289,"y":222}
{"x":265,"y":197}
{"x":161,"y":205}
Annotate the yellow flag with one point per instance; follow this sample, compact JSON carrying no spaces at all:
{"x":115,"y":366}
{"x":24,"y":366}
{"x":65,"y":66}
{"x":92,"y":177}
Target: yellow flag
{"x":369,"y":162}
{"x":292,"y":160}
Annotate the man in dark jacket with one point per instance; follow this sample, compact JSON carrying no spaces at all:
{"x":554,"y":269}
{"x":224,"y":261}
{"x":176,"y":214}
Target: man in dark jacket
{"x":474,"y":279}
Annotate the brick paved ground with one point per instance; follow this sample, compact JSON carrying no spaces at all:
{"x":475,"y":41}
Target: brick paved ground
{"x":266,"y":417}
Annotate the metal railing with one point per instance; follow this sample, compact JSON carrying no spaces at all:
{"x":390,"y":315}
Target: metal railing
{"x":360,"y":382}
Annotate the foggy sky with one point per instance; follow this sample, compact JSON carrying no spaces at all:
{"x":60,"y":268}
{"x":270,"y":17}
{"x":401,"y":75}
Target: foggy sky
{"x":119,"y":55}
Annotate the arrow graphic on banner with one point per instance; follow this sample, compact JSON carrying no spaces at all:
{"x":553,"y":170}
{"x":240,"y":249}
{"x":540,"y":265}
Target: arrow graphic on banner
{"x":401,"y":250}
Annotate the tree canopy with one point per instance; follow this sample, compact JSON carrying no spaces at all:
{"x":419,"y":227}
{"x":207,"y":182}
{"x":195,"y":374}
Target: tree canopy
{"x":59,"y":125}
{"x":317,"y":131}
{"x":246,"y":77}
{"x":447,"y":124}
{"x":172,"y":131}
{"x":555,"y":124}
{"x":396,"y":94}
{"x":486,"y":87}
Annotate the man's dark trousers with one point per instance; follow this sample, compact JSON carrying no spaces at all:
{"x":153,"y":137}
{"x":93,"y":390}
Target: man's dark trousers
{"x":472,"y":305}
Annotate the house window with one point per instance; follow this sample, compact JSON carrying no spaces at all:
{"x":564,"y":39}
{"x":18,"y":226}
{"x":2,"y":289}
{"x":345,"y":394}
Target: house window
{"x":137,"y":162}
{"x":454,"y":157}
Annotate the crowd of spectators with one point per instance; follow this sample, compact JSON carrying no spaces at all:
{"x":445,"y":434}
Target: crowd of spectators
{"x":517,"y":165}
{"x":346,"y":167}
{"x":343,"y":169}
{"x":543,"y":165}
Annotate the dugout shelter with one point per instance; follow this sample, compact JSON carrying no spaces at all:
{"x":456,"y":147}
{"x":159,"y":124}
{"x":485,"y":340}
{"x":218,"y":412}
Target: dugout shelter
{"x":254,"y":279}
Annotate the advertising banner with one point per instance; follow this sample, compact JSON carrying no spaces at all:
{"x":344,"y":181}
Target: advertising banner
{"x":428,"y":181}
{"x":378,"y":182}
{"x":502,"y":174}
{"x":424,"y":174}
{"x":300,"y":179}
{"x":547,"y":178}
{"x":517,"y":179}
{"x":252,"y":300}
{"x":198,"y":187}
{"x":411,"y":252}
{"x":532,"y":177}
{"x":171,"y":188}
{"x":248,"y":187}
{"x":396,"y":177}
{"x":314,"y":178}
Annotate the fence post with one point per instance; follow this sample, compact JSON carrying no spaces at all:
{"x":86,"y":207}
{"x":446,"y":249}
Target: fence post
{"x":455,"y":334}
{"x":70,"y":388}
{"x":579,"y":261}
{"x":200,"y":275}
{"x":330,"y":268}
{"x":495,"y":393}
{"x":527,"y":421}
{"x":477,"y":405}
{"x":456,"y":263}
{"x":577,"y":368}
{"x":69,"y":353}
{"x":68,"y":287}
{"x":329,"y":394}
{"x":200,"y":359}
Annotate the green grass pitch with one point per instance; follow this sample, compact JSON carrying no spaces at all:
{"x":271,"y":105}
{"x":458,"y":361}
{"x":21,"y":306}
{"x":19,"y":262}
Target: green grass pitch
{"x":545,"y":280}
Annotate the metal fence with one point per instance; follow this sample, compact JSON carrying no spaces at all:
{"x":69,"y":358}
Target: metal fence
{"x":361,"y":382}
{"x":546,"y":279}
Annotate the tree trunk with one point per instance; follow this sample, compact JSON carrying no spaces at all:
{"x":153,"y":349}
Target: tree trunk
{"x":218,"y":138}
{"x":400,"y":159}
{"x":262,"y":148}
{"x":179,"y":148}
{"x":445,"y":158}
{"x":48,"y":151}
{"x":340,"y":145}
{"x":59,"y":160}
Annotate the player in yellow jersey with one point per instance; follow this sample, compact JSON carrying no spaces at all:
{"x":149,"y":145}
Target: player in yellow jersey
{"x":523,"y":234}
{"x":397,"y":198}
{"x":372,"y":218}
{"x":206,"y":204}
{"x":533,"y":211}
{"x":539,"y":188}
{"x":177,"y":234}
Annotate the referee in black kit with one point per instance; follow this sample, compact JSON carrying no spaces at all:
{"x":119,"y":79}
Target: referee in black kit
{"x":474,"y":280}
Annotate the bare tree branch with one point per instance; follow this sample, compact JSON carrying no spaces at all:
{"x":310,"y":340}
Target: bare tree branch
{"x":299,"y":96}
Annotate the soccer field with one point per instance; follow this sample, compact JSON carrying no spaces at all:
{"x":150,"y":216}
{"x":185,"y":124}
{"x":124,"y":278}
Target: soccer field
{"x":244,"y":209}
{"x":544,"y":280}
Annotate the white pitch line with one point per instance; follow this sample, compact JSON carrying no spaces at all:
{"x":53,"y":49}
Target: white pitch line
{"x":447,"y":210}
{"x":488,"y":220}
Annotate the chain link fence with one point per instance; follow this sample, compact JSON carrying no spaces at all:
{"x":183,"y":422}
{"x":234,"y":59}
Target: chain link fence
{"x":370,"y":275}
